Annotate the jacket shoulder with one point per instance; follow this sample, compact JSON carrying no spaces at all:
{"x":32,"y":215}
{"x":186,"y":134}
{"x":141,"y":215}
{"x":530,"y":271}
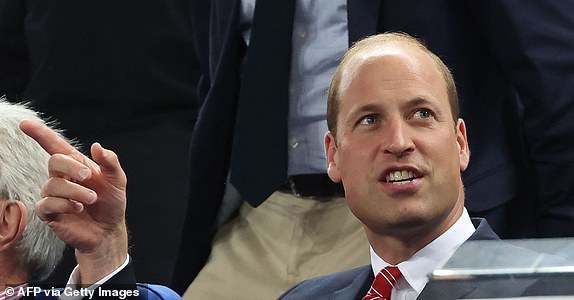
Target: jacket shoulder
{"x":156,"y":292}
{"x":348,"y":282}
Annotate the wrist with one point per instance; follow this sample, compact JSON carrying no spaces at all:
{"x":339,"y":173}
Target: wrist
{"x":110,"y":254}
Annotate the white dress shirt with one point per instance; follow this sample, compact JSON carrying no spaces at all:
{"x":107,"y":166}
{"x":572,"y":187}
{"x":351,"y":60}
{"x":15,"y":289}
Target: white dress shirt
{"x":416,"y":269}
{"x":75,"y":278}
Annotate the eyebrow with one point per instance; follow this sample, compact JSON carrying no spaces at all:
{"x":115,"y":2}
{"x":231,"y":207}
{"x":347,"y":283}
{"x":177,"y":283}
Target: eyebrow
{"x":416,"y":101}
{"x":422,"y":100}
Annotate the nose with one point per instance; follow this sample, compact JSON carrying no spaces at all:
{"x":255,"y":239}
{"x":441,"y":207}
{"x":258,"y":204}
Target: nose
{"x":397,"y":139}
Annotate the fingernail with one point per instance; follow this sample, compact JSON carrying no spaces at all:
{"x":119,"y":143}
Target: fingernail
{"x":79,"y":207}
{"x":92,"y":197}
{"x":84,"y":173}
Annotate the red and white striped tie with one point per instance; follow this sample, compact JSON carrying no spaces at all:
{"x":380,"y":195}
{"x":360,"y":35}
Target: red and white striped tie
{"x":383,"y":284}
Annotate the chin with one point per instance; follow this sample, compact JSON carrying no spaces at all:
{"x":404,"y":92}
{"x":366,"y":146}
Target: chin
{"x":395,"y":224}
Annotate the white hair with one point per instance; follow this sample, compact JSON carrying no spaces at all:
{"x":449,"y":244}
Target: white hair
{"x":23,"y":171}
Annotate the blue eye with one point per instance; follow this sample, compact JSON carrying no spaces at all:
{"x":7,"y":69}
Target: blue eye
{"x":369,"y":119}
{"x":423,"y":113}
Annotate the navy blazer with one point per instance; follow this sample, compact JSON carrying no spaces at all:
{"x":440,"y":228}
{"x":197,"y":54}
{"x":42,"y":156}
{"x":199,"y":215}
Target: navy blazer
{"x":354,"y":284}
{"x":512,"y":64}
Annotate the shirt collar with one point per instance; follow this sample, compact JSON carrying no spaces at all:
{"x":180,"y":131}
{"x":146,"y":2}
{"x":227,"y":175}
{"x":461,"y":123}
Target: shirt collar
{"x":15,"y":294}
{"x":416,"y":269}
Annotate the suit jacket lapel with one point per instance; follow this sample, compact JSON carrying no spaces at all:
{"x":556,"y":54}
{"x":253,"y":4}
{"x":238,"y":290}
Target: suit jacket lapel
{"x":483,"y":230}
{"x":446,"y":290}
{"x":357,"y":288}
{"x":223,"y":29}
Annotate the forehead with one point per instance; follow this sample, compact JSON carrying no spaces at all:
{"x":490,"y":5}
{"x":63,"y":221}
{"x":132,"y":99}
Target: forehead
{"x":393,"y":67}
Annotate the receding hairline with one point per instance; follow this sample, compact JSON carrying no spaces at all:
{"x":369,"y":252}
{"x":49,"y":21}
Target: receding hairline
{"x":378,"y":45}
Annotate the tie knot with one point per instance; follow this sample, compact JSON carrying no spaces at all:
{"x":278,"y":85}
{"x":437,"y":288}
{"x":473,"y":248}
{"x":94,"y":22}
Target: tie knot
{"x":383,"y":284}
{"x":391,"y":274}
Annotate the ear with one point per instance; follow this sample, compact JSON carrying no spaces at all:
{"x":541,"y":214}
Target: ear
{"x":462,"y":141}
{"x":331,"y":152}
{"x":13,"y":220}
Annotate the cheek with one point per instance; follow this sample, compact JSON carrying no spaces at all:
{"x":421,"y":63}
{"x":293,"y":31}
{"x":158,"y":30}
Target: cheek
{"x":355,"y":159}
{"x":358,"y":209}
{"x":444,"y":157}
{"x":357,"y":173}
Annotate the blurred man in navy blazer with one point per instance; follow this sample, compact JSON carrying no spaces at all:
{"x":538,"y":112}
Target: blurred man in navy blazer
{"x":121,"y":73}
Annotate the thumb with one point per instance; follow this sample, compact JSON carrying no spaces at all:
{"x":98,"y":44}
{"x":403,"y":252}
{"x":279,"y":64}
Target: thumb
{"x":109,"y":165}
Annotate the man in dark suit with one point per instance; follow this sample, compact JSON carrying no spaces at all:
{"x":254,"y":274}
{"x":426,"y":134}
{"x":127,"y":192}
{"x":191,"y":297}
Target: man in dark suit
{"x":397,"y":144}
{"x":510,"y":62}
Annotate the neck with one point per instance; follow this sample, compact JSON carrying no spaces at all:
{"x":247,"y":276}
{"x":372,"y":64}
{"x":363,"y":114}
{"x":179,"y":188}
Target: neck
{"x":12,"y":273}
{"x":12,"y":280}
{"x":399,"y":244}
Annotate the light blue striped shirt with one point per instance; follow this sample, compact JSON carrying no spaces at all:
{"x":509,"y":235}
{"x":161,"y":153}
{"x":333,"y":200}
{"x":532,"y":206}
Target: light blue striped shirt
{"x":320,"y":38}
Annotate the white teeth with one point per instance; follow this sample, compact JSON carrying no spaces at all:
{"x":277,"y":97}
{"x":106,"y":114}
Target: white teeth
{"x":405,"y":174}
{"x":400,"y":176}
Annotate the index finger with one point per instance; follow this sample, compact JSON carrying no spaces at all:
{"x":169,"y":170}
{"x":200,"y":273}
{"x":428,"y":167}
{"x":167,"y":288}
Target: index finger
{"x":46,"y":137}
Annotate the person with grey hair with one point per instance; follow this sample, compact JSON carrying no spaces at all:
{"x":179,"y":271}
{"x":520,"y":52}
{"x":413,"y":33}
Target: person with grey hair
{"x":22,"y":173}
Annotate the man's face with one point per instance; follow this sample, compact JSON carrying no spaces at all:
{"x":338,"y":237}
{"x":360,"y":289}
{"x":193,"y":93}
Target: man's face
{"x":398,"y":151}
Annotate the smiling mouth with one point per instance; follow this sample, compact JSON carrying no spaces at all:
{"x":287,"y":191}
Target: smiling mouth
{"x":400,"y":177}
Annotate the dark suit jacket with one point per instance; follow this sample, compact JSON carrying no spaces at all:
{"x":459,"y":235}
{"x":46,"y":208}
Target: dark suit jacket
{"x":123,"y":73}
{"x":355,"y":283}
{"x":507,"y":59}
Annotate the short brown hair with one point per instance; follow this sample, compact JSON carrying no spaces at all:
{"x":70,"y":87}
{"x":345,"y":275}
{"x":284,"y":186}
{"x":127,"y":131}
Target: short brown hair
{"x":380,"y":40}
